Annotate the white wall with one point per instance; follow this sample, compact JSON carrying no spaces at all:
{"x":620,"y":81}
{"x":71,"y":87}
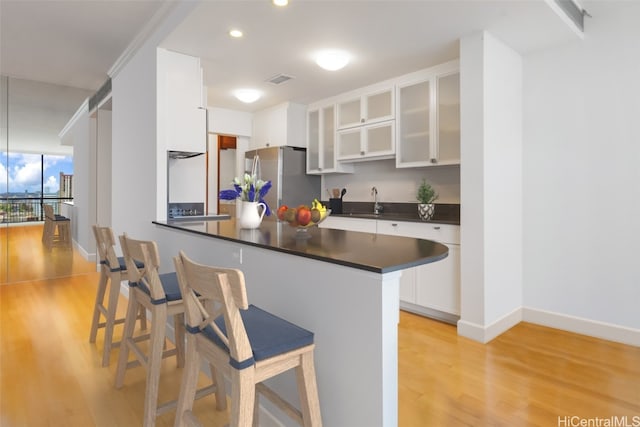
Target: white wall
{"x":102,"y":173}
{"x":582,"y":172}
{"x":491,"y":178}
{"x":394,"y":185}
{"x":139,"y":166}
{"x":82,"y":133}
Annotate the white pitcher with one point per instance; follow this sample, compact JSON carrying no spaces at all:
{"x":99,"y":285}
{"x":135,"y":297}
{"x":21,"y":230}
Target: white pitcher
{"x":249,"y":216}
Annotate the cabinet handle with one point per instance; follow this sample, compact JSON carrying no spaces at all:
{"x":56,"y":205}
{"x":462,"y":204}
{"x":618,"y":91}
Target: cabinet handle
{"x":361,"y":120}
{"x":394,"y":225}
{"x":434,"y":161}
{"x":437,"y":227}
{"x":362,"y":153}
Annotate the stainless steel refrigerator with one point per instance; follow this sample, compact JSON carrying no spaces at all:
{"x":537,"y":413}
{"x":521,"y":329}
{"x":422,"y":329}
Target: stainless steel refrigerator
{"x":286,"y":168}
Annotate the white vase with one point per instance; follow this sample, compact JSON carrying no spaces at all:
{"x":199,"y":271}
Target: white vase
{"x":425,"y":210}
{"x":249,"y":216}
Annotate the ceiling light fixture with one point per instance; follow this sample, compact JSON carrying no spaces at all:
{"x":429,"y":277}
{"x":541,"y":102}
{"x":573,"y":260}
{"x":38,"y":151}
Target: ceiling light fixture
{"x":247,"y":95}
{"x":281,"y":2}
{"x":332,"y":59}
{"x":235,"y":33}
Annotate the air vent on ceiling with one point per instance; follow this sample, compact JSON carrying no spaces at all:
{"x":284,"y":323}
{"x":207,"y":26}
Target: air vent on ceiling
{"x":279,"y":78}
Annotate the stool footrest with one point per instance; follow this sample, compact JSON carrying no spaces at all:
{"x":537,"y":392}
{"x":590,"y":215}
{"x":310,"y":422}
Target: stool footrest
{"x":284,"y":406}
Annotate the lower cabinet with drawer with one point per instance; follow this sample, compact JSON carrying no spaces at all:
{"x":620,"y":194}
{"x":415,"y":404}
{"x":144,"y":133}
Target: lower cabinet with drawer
{"x":432,"y":289}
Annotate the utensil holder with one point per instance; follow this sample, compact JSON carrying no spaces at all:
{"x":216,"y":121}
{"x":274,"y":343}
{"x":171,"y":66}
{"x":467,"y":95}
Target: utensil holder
{"x":335,"y":205}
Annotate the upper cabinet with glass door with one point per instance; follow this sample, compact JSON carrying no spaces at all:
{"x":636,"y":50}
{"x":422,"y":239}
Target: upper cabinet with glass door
{"x":321,"y":141}
{"x":428,"y":117}
{"x":369,"y":108}
{"x":366,"y":128}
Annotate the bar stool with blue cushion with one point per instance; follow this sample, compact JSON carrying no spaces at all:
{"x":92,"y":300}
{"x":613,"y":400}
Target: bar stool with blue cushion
{"x":160,"y":295}
{"x":243,"y":342}
{"x":57,"y":229}
{"x":113,"y":270}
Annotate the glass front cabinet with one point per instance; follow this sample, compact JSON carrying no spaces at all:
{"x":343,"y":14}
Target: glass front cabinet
{"x":321,"y":141}
{"x":428,"y":118}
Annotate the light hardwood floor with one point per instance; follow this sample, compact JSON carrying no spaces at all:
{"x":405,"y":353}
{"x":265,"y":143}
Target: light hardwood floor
{"x":51,"y":376}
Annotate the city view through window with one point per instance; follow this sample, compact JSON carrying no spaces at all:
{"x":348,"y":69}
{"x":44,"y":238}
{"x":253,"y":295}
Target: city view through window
{"x":29,"y":180}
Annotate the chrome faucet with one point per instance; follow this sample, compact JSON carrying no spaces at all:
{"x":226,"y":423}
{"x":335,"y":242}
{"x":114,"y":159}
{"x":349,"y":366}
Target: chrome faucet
{"x":377,"y":207}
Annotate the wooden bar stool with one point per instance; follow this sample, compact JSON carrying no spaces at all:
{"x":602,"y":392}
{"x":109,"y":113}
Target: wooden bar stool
{"x":246,"y":344}
{"x":160,"y":295}
{"x":113,"y":270}
{"x":57,"y":229}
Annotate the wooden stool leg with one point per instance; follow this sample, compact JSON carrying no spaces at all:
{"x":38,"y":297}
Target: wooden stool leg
{"x":158,"y":326}
{"x":221,"y":395}
{"x":127,"y":334}
{"x":102,"y":288}
{"x":308,"y":391}
{"x":243,"y":390}
{"x":114,"y":292}
{"x":189,"y":382}
{"x":179,"y":331}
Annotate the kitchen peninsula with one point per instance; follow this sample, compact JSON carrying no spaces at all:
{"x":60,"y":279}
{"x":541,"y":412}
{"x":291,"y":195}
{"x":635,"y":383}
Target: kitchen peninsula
{"x":342,"y":285}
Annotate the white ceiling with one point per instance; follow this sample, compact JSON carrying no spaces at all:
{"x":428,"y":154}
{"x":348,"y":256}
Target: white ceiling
{"x":75,"y":43}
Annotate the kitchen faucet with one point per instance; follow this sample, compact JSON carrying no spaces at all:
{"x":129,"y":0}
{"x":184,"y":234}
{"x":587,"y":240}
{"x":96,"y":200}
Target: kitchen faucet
{"x":377,"y":207}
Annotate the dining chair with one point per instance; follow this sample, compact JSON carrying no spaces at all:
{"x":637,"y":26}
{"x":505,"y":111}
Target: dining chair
{"x":160,"y":295}
{"x":113,"y":271}
{"x":244,"y":343}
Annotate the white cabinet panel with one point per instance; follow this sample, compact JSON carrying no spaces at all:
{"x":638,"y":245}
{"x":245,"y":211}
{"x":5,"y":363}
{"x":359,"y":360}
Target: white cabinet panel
{"x":281,"y":125}
{"x":180,"y":90}
{"x":436,"y":285}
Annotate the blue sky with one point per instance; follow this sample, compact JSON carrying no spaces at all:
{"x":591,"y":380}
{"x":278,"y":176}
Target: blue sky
{"x":21,"y":172}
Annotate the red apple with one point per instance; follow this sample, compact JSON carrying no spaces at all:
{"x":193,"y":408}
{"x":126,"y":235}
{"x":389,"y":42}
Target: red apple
{"x":303,"y":216}
{"x":281,"y":210}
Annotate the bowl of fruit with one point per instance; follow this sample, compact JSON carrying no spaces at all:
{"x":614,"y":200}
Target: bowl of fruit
{"x":303,"y":217}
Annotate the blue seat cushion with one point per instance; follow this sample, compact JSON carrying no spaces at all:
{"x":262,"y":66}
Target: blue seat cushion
{"x":268,"y":335}
{"x":61,"y":218}
{"x":169,"y":284}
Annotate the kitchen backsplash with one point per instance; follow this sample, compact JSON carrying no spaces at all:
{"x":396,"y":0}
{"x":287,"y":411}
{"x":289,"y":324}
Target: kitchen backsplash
{"x":394,"y":185}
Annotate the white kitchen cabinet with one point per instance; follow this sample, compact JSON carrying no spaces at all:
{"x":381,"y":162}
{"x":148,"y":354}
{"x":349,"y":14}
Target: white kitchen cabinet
{"x":281,"y":125}
{"x":183,"y":123}
{"x":363,"y":109}
{"x":428,"y":117}
{"x":376,"y":141}
{"x":434,"y":288}
{"x":321,"y":141}
{"x":351,"y":224}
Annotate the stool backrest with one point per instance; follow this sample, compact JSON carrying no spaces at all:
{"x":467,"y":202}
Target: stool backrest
{"x":48,"y":212}
{"x":145,"y":252}
{"x":105,"y":243}
{"x":210,"y":291}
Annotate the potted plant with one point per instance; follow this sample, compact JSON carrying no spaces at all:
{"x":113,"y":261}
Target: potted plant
{"x":426,"y":195}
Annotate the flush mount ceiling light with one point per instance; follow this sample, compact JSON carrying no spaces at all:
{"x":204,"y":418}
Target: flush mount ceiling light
{"x":332,"y":59}
{"x":281,"y":2}
{"x":247,"y":95}
{"x":235,"y":33}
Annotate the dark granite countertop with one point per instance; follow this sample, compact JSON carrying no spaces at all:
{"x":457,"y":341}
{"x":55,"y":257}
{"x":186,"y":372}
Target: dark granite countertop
{"x":366,"y":251}
{"x":444,"y":213}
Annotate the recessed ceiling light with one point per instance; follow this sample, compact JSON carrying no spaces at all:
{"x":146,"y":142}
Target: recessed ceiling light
{"x":235,"y":33}
{"x":281,"y":2}
{"x":247,"y":95}
{"x":332,"y":59}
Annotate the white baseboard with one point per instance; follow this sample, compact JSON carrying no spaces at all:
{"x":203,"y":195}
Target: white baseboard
{"x":484,"y":334}
{"x":578,"y":325}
